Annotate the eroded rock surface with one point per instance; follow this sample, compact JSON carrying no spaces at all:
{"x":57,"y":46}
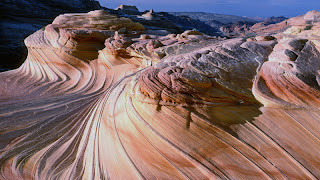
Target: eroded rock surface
{"x":20,"y":18}
{"x":291,"y":76}
{"x":101,"y":97}
{"x":220,"y":73}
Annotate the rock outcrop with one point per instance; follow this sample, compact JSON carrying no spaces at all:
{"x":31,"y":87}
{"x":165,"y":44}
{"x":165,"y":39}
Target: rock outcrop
{"x":103,"y":97}
{"x":291,"y":76}
{"x":20,"y":18}
{"x":207,"y":76}
{"x":127,"y":9}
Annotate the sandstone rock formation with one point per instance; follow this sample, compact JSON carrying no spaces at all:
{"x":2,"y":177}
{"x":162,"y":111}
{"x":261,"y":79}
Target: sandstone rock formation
{"x":101,"y":97}
{"x":213,"y":75}
{"x":291,"y":76}
{"x":20,"y":18}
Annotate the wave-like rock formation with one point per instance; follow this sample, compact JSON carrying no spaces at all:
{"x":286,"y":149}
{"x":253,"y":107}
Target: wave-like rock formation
{"x":291,"y":76}
{"x":98,"y":98}
{"x":20,"y":18}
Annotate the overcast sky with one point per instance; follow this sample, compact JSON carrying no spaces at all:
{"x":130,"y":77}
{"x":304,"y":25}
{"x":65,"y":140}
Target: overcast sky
{"x":261,"y":8}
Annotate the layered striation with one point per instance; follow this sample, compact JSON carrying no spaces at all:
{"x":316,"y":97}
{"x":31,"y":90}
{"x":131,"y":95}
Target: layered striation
{"x":99,"y":97}
{"x":216,"y":74}
{"x":290,"y":79}
{"x":20,"y":18}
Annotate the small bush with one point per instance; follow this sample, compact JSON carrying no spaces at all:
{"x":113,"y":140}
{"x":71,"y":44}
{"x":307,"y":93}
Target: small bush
{"x":308,"y":27}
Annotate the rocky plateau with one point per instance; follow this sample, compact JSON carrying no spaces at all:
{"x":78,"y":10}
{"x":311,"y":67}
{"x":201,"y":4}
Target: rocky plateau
{"x":104,"y":96}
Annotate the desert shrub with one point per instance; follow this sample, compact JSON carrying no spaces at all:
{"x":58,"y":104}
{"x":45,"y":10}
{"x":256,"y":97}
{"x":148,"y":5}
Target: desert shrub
{"x":308,"y":27}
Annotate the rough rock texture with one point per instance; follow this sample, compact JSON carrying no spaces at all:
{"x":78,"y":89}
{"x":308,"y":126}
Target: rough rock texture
{"x":20,"y":18}
{"x":291,"y":76}
{"x":290,"y":79}
{"x":219,"y":74}
{"x":149,"y":49}
{"x":99,"y":97}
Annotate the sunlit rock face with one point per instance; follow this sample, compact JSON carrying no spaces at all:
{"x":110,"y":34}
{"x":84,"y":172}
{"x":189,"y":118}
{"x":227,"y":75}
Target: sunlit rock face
{"x":220,"y":73}
{"x":291,"y":76}
{"x":292,"y":26}
{"x":290,"y":79}
{"x":101,"y":98}
{"x":65,"y":51}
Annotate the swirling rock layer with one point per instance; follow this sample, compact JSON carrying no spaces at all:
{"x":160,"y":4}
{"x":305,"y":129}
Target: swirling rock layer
{"x":215,"y":74}
{"x":291,"y":76}
{"x":86,"y":105}
{"x":20,"y":18}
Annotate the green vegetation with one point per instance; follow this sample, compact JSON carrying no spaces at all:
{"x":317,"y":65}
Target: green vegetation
{"x":308,"y":27}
